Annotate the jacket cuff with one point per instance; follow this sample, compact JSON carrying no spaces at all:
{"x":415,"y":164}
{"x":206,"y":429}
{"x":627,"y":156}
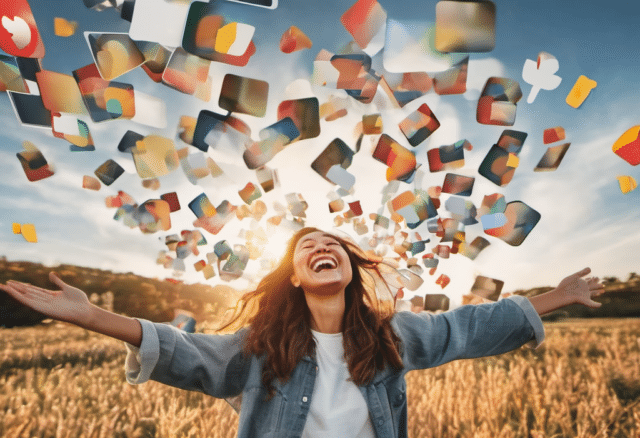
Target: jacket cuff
{"x":140,"y":362}
{"x":533,"y":318}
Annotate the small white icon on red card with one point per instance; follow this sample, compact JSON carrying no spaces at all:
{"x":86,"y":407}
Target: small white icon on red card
{"x":19,"y":34}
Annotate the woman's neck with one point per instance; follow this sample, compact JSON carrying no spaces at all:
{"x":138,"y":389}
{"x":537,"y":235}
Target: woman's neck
{"x":327,"y":312}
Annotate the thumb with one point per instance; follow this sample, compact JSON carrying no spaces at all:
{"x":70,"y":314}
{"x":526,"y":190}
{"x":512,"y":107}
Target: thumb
{"x":56,"y":280}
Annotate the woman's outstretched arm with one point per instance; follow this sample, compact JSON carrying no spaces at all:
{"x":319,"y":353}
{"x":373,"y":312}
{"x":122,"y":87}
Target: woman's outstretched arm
{"x":571,"y":290}
{"x":72,"y":305}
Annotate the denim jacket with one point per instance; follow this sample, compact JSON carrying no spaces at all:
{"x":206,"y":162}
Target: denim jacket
{"x":216,"y":365}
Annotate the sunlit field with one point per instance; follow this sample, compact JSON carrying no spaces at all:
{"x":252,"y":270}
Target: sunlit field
{"x":63,"y":381}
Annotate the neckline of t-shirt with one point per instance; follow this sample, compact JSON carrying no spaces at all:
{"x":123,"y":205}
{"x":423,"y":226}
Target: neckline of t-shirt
{"x":326,"y":335}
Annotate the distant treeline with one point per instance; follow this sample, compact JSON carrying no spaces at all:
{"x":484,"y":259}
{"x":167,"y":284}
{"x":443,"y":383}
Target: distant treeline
{"x":133,"y":295}
{"x":156,"y":300}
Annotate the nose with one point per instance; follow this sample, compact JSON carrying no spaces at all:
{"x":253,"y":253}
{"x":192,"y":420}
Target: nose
{"x":322,"y":248}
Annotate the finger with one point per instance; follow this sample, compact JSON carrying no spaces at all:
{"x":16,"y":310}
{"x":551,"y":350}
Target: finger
{"x":581,"y":273}
{"x":10,"y":290}
{"x":30,"y":288}
{"x":56,"y":280}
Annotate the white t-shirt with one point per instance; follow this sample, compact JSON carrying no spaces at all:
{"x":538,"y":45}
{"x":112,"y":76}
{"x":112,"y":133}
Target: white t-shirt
{"x":338,"y":409}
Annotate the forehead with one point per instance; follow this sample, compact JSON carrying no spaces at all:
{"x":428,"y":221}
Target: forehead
{"x":316,"y":236}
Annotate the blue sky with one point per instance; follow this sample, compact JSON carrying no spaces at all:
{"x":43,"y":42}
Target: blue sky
{"x":586,"y":220}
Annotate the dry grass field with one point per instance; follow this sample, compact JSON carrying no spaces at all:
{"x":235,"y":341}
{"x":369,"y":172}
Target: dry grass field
{"x":62,"y":381}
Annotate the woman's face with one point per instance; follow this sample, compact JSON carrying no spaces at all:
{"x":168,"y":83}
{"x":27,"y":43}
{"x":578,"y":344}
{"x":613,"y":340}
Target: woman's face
{"x":320,"y":264}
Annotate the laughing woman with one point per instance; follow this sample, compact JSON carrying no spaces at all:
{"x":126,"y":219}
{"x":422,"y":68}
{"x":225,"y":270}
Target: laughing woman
{"x":315,"y":354}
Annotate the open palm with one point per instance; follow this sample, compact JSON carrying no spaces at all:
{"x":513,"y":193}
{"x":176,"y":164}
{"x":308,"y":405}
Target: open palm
{"x":581,"y":290}
{"x":67,"y":304}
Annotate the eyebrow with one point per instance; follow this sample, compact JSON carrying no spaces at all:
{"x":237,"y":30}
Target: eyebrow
{"x":323,"y":235}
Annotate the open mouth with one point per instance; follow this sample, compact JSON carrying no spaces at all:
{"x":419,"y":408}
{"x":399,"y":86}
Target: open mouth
{"x":323,"y":263}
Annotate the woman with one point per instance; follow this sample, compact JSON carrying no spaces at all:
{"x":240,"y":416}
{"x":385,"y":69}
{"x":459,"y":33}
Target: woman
{"x":317,"y":355}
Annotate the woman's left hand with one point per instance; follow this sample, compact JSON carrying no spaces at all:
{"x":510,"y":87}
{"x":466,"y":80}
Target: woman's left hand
{"x":575,"y":289}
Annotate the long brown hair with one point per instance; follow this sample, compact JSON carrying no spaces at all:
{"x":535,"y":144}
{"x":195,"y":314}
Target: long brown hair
{"x":280,"y":320}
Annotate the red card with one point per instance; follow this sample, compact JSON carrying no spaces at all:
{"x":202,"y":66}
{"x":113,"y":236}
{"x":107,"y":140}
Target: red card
{"x":19,"y":34}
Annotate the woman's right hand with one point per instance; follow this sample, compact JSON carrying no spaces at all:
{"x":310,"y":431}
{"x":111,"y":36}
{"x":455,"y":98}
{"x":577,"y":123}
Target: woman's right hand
{"x":68,"y":304}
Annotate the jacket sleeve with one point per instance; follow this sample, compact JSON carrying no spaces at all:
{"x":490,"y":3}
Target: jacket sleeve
{"x":467,"y":332}
{"x":212,"y":364}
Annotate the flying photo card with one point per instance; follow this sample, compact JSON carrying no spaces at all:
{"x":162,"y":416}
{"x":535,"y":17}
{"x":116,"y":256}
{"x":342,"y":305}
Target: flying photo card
{"x":414,"y":207}
{"x":540,"y":74}
{"x":458,"y":184}
{"x":305,"y":115}
{"x":64,"y":28}
{"x":334,"y":108}
{"x":465,"y":26}
{"x":114,"y":53}
{"x":154,"y":216}
{"x":497,"y":103}
{"x":108,"y":172}
{"x":155,"y":156}
{"x":268,"y":178}
{"x":293,"y":40}
{"x":500,"y":163}
{"x":410,"y":47}
{"x":156,"y":59}
{"x":355,"y":76}
{"x":159,"y":22}
{"x":551,"y":135}
{"x":225,"y":212}
{"x":33,"y":163}
{"x":372,"y":124}
{"x":244,"y":95}
{"x":486,"y":287}
{"x":30,"y":109}
{"x":250,"y":193}
{"x":212,"y":128}
{"x":207,"y":36}
{"x":10,"y":77}
{"x":436,"y":302}
{"x":28,"y":231}
{"x":627,"y":146}
{"x":401,"y":161}
{"x":19,"y":35}
{"x":552,"y":158}
{"x":366,"y":22}
{"x":419,"y":125}
{"x":520,"y":220}
{"x":462,"y":210}
{"x":202,"y":207}
{"x":171,"y":199}
{"x":296,"y":205}
{"x":274,"y":138}
{"x":188,"y":74}
{"x":105,"y":100}
{"x":128,"y":141}
{"x":453,"y":80}
{"x":448,"y":157}
{"x":627,"y":183}
{"x":60,"y":93}
{"x":471,"y":250}
{"x":336,"y":153}
{"x":74,"y":130}
{"x":91,"y":183}
{"x":580,"y":91}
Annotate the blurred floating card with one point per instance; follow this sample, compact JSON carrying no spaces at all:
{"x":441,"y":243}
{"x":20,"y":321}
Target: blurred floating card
{"x":337,"y":153}
{"x":224,"y":213}
{"x":552,"y":135}
{"x":410,"y":280}
{"x":436,"y":302}
{"x":627,"y":183}
{"x":293,"y":40}
{"x":355,"y":76}
{"x":497,"y":103}
{"x":486,"y":287}
{"x":202,"y":207}
{"x":33,"y":163}
{"x":156,"y":58}
{"x":462,"y":210}
{"x":372,"y":124}
{"x":149,"y":110}
{"x":500,"y":163}
{"x":159,"y":22}
{"x":465,"y":26}
{"x":430,"y":261}
{"x":19,"y":35}
{"x":250,"y":193}
{"x":211,"y":128}
{"x":334,"y":108}
{"x":28,"y":231}
{"x":98,"y":5}
{"x":60,"y":93}
{"x":627,"y":146}
{"x":273,"y":140}
{"x":63,"y":27}
{"x":185,"y":320}
{"x":269,"y":4}
{"x":172,"y":200}
{"x":520,"y":220}
{"x":244,"y":95}
{"x":415,"y":208}
{"x":74,"y":130}
{"x":448,"y":157}
{"x":108,"y":172}
{"x":453,"y":80}
{"x":366,"y":21}
{"x":552,"y":158}
{"x":458,"y":184}
{"x":296,"y":204}
{"x":129,"y":140}
{"x":105,"y":100}
{"x":234,"y":38}
{"x":10,"y":77}
{"x":305,"y":115}
{"x":155,"y":156}
{"x":203,"y":37}
{"x":114,"y":53}
{"x":268,"y":178}
{"x":474,"y":248}
{"x":540,"y":74}
{"x":419,"y":125}
{"x":30,"y":109}
{"x":338,"y":175}
{"x":401,"y":162}
{"x":188,"y":74}
{"x":91,"y":183}
{"x":410,"y":47}
{"x":580,"y":91}
{"x":443,"y":281}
